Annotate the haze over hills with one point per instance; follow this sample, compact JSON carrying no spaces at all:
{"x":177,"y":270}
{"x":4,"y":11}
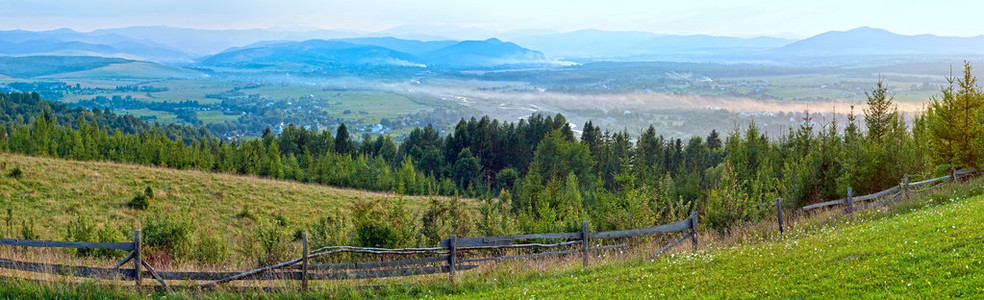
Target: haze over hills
{"x":874,"y":41}
{"x":592,"y":43}
{"x":259,"y":48}
{"x":491,"y":52}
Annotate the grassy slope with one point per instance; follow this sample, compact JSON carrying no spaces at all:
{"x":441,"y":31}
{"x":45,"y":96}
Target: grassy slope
{"x":928,"y":253}
{"x":52,"y":191}
{"x":906,"y":251}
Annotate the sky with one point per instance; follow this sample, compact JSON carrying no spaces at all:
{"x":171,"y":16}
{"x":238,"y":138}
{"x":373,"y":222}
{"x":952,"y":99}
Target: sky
{"x":745,"y":18}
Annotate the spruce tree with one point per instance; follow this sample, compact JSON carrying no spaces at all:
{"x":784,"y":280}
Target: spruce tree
{"x":880,"y":115}
{"x":342,"y":140}
{"x":954,"y":121}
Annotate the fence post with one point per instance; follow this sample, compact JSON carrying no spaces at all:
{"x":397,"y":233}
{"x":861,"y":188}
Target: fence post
{"x":779,"y":214}
{"x":584,"y":242}
{"x":905,"y":186}
{"x":693,"y":228}
{"x":953,"y":174}
{"x":136,"y":257}
{"x":452,"y":257}
{"x":850,"y":204}
{"x":304,"y":262}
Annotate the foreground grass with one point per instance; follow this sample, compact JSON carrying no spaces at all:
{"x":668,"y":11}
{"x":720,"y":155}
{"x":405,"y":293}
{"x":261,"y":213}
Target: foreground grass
{"x":927,"y":253}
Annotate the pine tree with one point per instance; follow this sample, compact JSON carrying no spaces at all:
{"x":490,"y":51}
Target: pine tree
{"x":880,"y":115}
{"x":466,"y":169}
{"x":342,"y":143}
{"x":954,"y":121}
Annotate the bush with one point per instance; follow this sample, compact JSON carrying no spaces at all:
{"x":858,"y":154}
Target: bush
{"x":107,"y":234}
{"x":212,"y":249}
{"x":384,"y":224}
{"x":330,"y":231}
{"x":169,"y":233}
{"x":82,"y":229}
{"x":139,"y":202}
{"x":15,"y":173}
{"x":272,"y":236}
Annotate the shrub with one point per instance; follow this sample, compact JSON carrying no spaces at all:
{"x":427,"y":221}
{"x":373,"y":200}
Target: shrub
{"x":139,"y":202}
{"x":272,"y":236}
{"x":384,"y":224}
{"x":82,"y":229}
{"x":443,"y":218}
{"x":330,"y":231}
{"x":212,"y":249}
{"x":107,"y":234}
{"x":15,"y":173}
{"x":171,"y":233}
{"x":149,"y":192}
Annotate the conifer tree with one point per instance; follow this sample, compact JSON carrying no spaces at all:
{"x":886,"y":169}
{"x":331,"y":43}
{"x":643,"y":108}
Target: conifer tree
{"x":954,"y":121}
{"x":881,"y":115}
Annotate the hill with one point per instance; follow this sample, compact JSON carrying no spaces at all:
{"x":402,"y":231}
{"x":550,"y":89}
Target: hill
{"x":89,"y":67}
{"x":52,"y":192}
{"x":490,"y":52}
{"x":374,"y":52}
{"x":874,"y":41}
{"x":70,"y":42}
{"x":309,"y":53}
{"x":135,"y":69}
{"x":32,"y":66}
{"x":590,"y":43}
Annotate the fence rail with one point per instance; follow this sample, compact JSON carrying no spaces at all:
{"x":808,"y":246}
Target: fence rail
{"x":442,"y":259}
{"x":446,"y":261}
{"x":955,"y":175}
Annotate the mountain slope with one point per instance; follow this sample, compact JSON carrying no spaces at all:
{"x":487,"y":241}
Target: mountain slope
{"x":31,"y":66}
{"x":69,"y":42}
{"x":490,"y":52}
{"x":591,"y":43}
{"x":874,"y":41}
{"x":375,"y":52}
{"x":311,"y":53}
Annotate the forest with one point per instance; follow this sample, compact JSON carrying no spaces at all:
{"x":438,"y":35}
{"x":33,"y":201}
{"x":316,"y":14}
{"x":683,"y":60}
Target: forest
{"x":535,"y":175}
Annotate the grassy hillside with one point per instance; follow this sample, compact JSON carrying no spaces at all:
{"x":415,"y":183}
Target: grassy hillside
{"x":928,"y":252}
{"x":927,"y":248}
{"x":52,"y":191}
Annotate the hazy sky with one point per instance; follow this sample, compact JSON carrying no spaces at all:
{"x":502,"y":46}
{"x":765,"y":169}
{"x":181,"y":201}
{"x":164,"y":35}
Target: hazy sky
{"x":736,"y":17}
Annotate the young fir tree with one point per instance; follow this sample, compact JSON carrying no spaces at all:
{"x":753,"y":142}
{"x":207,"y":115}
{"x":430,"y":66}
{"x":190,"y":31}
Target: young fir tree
{"x":880,"y":115}
{"x":954,"y":121}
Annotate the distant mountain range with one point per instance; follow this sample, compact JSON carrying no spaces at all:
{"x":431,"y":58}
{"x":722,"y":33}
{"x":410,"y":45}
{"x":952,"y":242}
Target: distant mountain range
{"x":874,"y":41}
{"x":394,"y":47}
{"x":378,"y":52}
{"x":616,"y":44}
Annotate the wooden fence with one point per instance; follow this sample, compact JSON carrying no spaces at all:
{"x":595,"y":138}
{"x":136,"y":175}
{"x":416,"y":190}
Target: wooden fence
{"x":903,"y":189}
{"x":446,"y":258}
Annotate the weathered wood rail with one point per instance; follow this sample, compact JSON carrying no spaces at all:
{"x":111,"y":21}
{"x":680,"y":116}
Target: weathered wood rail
{"x":895,"y":192}
{"x":136,"y":274}
{"x":448,"y":257}
{"x":450,"y":249}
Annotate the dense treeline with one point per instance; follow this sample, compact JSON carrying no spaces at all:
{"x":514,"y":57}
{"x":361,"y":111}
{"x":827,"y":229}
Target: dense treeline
{"x":536,"y":175}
